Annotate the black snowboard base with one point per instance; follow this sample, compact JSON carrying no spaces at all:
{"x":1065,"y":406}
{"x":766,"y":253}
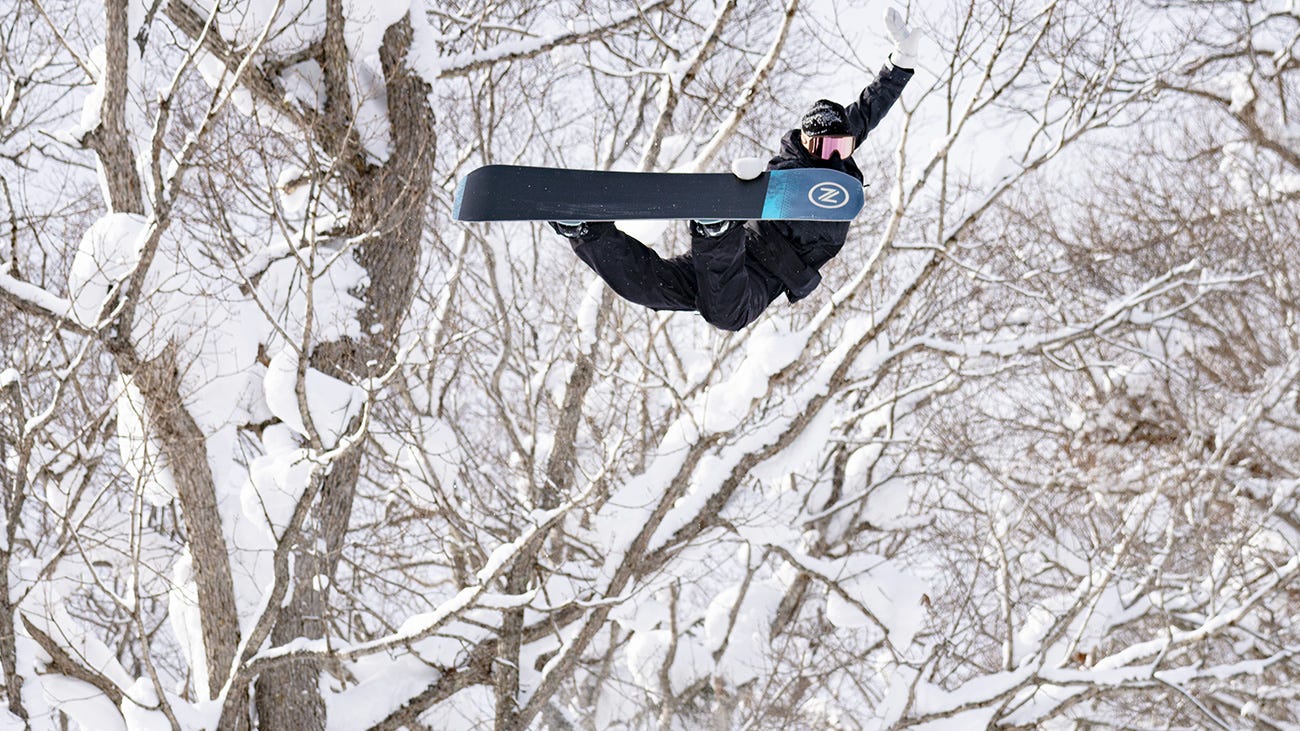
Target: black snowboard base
{"x":519,"y":193}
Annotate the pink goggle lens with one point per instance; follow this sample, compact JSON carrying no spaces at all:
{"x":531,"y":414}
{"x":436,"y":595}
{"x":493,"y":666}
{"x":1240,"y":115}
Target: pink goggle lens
{"x":825,"y":147}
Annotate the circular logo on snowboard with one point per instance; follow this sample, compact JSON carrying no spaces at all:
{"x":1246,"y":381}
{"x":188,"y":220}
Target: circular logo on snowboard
{"x":828,"y":195}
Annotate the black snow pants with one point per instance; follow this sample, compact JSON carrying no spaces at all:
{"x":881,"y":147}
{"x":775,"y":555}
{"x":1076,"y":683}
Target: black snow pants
{"x":719,"y":277}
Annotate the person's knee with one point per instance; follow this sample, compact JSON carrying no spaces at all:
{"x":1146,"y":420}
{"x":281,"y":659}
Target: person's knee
{"x":731,"y":320}
{"x":730,"y":325}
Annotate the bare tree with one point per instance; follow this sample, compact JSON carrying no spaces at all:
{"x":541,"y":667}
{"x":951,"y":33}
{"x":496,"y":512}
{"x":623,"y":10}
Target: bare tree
{"x":282,"y":446}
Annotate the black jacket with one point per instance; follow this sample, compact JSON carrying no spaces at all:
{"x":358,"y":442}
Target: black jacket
{"x":817,"y":242}
{"x":731,"y":279}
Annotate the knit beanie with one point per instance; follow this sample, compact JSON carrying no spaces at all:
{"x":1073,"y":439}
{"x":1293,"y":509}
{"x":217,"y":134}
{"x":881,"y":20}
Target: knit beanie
{"x":826,"y":118}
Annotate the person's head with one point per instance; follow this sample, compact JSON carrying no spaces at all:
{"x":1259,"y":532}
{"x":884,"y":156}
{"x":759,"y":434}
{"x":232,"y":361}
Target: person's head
{"x":825,"y":130}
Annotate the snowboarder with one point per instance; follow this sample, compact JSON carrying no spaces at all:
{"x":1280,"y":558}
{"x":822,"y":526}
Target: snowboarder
{"x":735,"y":269}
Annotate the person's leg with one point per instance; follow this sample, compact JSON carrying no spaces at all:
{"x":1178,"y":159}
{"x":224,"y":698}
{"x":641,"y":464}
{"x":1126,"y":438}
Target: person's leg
{"x":733,"y":289}
{"x":635,"y":271}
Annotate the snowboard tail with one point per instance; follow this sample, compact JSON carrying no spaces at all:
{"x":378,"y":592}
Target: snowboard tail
{"x":519,"y":193}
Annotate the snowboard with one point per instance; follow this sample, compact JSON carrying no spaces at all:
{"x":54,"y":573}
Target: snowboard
{"x":519,"y":193}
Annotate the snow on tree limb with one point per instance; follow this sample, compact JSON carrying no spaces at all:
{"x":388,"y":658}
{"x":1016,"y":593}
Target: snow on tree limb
{"x":37,"y":301}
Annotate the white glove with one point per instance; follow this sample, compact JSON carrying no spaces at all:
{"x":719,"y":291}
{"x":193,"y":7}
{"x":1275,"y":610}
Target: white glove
{"x":748,"y":168}
{"x":907,"y":43}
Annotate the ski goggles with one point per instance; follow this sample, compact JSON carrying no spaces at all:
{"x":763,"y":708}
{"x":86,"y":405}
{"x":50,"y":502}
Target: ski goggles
{"x":825,"y":146}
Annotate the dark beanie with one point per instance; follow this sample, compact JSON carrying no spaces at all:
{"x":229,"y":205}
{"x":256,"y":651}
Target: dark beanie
{"x":826,"y":118}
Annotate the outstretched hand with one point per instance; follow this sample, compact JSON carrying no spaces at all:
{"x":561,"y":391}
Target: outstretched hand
{"x":906,"y":41}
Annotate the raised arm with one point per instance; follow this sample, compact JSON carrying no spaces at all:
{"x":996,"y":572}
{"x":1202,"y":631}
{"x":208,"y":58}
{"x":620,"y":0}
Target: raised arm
{"x":875,"y":100}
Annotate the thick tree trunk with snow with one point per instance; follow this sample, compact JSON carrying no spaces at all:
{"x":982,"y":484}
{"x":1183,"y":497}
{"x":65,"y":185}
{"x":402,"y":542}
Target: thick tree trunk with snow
{"x":389,"y":205}
{"x":158,"y":377}
{"x":184,"y":451}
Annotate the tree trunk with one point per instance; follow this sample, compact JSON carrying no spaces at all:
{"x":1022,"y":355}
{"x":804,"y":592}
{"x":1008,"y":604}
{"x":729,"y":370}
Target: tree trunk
{"x":389,"y":203}
{"x":109,"y":140}
{"x":183,"y":443}
{"x":185,"y":449}
{"x":289,"y":696}
{"x":12,"y":490}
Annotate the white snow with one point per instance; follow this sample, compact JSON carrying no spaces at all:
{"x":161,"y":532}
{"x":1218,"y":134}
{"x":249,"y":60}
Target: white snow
{"x":1241,"y":90}
{"x":85,"y":704}
{"x":294,"y":191}
{"x":1282,"y":184}
{"x":140,"y":708}
{"x":276,"y":480}
{"x":892,"y":596}
{"x":142,"y":452}
{"x":371,"y":121}
{"x":283,"y":292}
{"x":647,"y":231}
{"x":647,"y":652}
{"x":183,"y":614}
{"x":432,"y":457}
{"x":331,"y":404}
{"x":770,"y":347}
{"x":365,"y":26}
{"x":387,"y":681}
{"x":304,"y":82}
{"x":640,"y":616}
{"x":748,"y":168}
{"x":961,"y":721}
{"x":742,"y":659}
{"x":589,"y":311}
{"x":218,"y":77}
{"x":108,"y":253}
{"x":38,"y":296}
{"x":92,"y":107}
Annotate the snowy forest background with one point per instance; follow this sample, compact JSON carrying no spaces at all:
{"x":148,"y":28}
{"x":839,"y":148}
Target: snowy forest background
{"x":284,"y":447}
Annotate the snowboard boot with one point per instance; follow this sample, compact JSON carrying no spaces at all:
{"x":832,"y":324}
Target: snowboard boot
{"x":712,"y":228}
{"x":575,"y":230}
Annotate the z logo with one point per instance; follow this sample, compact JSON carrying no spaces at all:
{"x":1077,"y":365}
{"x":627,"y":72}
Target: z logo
{"x":828,"y":195}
